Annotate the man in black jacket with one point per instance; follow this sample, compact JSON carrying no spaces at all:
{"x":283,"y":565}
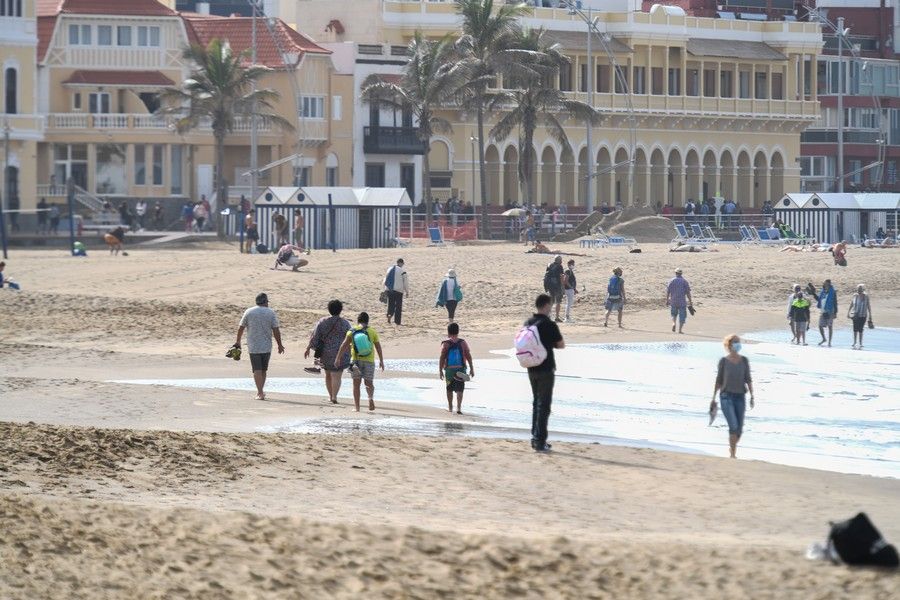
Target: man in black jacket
{"x":543,"y":376}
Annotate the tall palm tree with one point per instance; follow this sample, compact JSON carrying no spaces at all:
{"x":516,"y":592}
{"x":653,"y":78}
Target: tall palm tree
{"x":431,"y":77}
{"x":485,"y":45}
{"x":536,"y":100}
{"x":220,"y":90}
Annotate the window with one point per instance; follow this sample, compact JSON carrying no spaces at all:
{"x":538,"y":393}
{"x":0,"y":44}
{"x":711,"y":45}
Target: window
{"x":12,"y":91}
{"x":855,"y":166}
{"x":621,"y":80}
{"x":406,"y":117}
{"x":10,"y":8}
{"x":709,"y":83}
{"x":640,"y":80}
{"x":336,"y":108}
{"x":98,"y":103}
{"x":104,"y":35}
{"x":374,"y":175}
{"x":408,"y":179}
{"x":602,"y":80}
{"x":331,"y":176}
{"x":892,"y":172}
{"x":76,"y":101}
{"x":582,"y":78}
{"x":74,"y":39}
{"x":777,"y":86}
{"x":177,"y":160}
{"x":744,"y":84}
{"x":812,"y":166}
{"x":140,"y":164}
{"x":123,"y":35}
{"x":157,"y":164}
{"x":302,"y":176}
{"x":674,"y":82}
{"x":693,"y":82}
{"x":312,"y":107}
{"x":154,"y":37}
{"x":110,"y":171}
{"x":656,"y":73}
{"x":147,"y":36}
{"x":79,"y":35}
{"x":565,"y":78}
{"x":726,"y":84}
{"x":374,"y":115}
{"x":762,"y":86}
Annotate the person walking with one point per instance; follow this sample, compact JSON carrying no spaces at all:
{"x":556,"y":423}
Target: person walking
{"x":363,"y":342}
{"x":791,"y":298}
{"x":261,"y":324}
{"x":299,"y":224}
{"x":187,"y":215}
{"x":325,"y":341}
{"x":449,"y":294}
{"x":140,"y":211}
{"x":554,"y":283}
{"x":615,"y":296}
{"x":42,"y":209}
{"x":251,"y":233}
{"x":799,"y":314}
{"x":200,"y":215}
{"x":827,"y":302}
{"x":455,"y":354}
{"x":280,"y":227}
{"x":54,"y":218}
{"x":860,"y":312}
{"x":542,"y":376}
{"x":678,"y":299}
{"x":570,"y":287}
{"x":158,"y":216}
{"x":733,"y":381}
{"x":396,"y":284}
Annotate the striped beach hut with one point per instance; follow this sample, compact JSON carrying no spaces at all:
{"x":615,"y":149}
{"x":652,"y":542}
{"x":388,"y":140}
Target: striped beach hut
{"x":340,"y":217}
{"x":828,"y":217}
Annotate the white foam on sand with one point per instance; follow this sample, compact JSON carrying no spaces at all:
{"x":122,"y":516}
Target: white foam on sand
{"x":835,"y":409}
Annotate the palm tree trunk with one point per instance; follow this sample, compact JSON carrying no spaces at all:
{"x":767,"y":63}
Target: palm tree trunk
{"x":485,"y":226}
{"x":526,"y":167}
{"x":221,"y":191}
{"x":426,"y":183}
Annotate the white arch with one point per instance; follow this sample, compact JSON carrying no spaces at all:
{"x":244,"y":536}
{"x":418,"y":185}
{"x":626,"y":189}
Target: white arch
{"x":557,"y":148}
{"x":331,"y":160}
{"x":450,"y":151}
{"x":710,"y":148}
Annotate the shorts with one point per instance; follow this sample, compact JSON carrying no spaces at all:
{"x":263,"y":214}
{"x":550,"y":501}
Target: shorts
{"x":680,"y":312}
{"x":826,"y":319}
{"x":801,"y":325}
{"x":260,"y":362}
{"x":733,"y":407}
{"x":859,"y":323}
{"x":454,"y":384}
{"x":366,"y":370}
{"x":556,"y":295}
{"x":613,"y":304}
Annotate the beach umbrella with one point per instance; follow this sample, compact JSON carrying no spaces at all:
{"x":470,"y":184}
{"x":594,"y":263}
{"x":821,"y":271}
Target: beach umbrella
{"x":514,"y":212}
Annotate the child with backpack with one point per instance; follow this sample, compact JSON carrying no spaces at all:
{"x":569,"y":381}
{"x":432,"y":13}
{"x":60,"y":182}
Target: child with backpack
{"x":363,"y":343}
{"x":452,"y":367}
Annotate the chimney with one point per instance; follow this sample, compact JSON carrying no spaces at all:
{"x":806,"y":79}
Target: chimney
{"x":203,"y":8}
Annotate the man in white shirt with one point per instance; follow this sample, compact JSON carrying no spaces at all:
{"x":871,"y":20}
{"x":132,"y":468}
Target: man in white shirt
{"x":261,"y":324}
{"x":396,"y":284}
{"x":140,"y":210}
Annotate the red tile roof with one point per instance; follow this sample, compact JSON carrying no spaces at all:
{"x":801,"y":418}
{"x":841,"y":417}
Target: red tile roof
{"x":239,"y":31}
{"x":144,"y":8}
{"x":119,"y":78}
{"x":45,"y":27}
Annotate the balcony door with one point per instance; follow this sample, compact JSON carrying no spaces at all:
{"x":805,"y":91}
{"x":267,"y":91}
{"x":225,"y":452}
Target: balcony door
{"x":70,"y":160}
{"x":408,"y":180}
{"x":98,"y":103}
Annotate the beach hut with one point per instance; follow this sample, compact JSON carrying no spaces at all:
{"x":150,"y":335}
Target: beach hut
{"x":878,"y":210}
{"x":341,"y":216}
{"x":827,"y":217}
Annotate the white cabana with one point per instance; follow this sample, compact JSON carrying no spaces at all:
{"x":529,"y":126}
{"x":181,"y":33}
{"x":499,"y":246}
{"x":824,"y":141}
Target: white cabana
{"x":831,"y":217}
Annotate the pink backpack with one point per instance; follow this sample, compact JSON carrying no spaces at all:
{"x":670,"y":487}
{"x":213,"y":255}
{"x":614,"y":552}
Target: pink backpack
{"x":529,"y":349}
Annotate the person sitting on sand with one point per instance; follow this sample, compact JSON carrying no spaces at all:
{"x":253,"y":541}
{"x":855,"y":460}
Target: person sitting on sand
{"x":455,"y":354}
{"x":883,"y":243}
{"x":539,"y":248}
{"x":733,"y":381}
{"x":5,"y":280}
{"x":115,"y":240}
{"x":287,"y":258}
{"x":840,"y":253}
{"x":686,"y":247}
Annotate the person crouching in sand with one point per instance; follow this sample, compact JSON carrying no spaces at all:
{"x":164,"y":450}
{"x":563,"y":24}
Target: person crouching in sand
{"x":452,"y":366}
{"x":733,"y":381}
{"x":115,"y":240}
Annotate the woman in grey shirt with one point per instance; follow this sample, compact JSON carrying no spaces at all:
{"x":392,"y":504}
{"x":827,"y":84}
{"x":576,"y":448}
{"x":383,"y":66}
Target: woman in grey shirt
{"x":732,"y":382}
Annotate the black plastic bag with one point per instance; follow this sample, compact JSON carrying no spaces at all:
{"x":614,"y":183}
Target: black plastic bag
{"x":858,"y":543}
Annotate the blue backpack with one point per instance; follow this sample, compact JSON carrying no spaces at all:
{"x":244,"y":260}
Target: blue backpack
{"x":455,"y":355}
{"x":361,"y":342}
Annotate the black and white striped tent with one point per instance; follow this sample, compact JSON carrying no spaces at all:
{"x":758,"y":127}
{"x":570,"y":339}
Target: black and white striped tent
{"x":832,"y":217}
{"x":361,"y":217}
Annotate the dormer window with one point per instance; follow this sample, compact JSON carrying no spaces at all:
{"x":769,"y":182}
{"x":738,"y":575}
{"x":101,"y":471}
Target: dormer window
{"x":104,"y":35}
{"x":79,"y":35}
{"x":123,"y":35}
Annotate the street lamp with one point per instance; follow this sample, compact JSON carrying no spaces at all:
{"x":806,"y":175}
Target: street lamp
{"x":589,"y":201}
{"x":841,"y":34}
{"x":473,"y":139}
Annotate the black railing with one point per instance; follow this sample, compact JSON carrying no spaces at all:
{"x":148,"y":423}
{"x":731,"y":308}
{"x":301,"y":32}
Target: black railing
{"x":392,"y":140}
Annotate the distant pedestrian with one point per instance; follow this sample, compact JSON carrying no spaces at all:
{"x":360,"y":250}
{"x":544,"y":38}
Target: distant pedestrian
{"x":280,"y":224}
{"x":733,"y":381}
{"x":678,"y":299}
{"x":363,"y":343}
{"x":799,"y":314}
{"x":826,"y":302}
{"x":450,"y":294}
{"x":200,"y":216}
{"x":860,"y":312}
{"x":529,"y":232}
{"x":158,"y":222}
{"x":327,"y":338}
{"x":299,"y":225}
{"x":396,"y":284}
{"x":542,"y":376}
{"x":251,"y":233}
{"x":554,"y":283}
{"x":790,"y":303}
{"x":187,"y":215}
{"x":54,"y":219}
{"x":140,"y":211}
{"x":570,"y":287}
{"x":42,"y":209}
{"x":615,"y":296}
{"x":455,"y":354}
{"x":261,"y":324}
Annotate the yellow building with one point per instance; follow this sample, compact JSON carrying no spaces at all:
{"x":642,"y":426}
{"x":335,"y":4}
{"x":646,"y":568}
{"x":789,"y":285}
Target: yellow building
{"x":714,"y":106}
{"x":101,"y":65}
{"x":19,"y":122}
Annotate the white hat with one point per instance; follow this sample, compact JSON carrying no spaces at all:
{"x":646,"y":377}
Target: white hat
{"x":451,"y":273}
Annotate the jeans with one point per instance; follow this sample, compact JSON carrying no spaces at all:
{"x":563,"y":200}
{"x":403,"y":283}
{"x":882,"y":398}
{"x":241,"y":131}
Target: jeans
{"x":451,"y":308}
{"x":570,"y":300}
{"x":542,"y":391}
{"x":733,"y":408}
{"x":395,"y":306}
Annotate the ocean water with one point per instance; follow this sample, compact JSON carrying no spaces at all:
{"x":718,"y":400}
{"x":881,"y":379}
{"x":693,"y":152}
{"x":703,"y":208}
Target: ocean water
{"x":834,"y":409}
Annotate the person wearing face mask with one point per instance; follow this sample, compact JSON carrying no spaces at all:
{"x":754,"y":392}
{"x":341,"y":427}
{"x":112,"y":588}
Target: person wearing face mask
{"x":732,"y":383}
{"x":570,"y":286}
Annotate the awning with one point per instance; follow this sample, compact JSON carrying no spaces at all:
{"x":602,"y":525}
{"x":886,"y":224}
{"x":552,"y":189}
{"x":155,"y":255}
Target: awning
{"x":577,"y":40}
{"x":733,"y":49}
{"x":119,"y":78}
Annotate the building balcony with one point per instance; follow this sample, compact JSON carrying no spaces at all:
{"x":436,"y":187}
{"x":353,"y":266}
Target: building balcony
{"x":22,"y":127}
{"x":392,"y":140}
{"x":66,"y":122}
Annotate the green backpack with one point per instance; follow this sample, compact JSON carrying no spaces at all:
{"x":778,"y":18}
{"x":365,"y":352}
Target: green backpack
{"x":362,"y":343}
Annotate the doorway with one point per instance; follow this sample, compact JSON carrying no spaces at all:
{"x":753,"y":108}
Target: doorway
{"x":365,"y":227}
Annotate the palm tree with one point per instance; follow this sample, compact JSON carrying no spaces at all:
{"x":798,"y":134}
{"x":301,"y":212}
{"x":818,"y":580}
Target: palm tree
{"x":221,"y":89}
{"x":536,"y":100}
{"x":485,"y":46}
{"x":430,"y":78}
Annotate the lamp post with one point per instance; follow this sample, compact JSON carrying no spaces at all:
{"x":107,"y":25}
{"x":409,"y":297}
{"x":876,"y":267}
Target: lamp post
{"x":5,"y":190}
{"x":589,"y":201}
{"x":472,"y":139}
{"x":254,"y":133}
{"x":840,"y":103}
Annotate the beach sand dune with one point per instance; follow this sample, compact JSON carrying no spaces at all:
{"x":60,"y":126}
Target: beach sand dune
{"x":111,"y":490}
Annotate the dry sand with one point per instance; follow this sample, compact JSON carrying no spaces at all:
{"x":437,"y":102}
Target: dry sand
{"x":125,"y":491}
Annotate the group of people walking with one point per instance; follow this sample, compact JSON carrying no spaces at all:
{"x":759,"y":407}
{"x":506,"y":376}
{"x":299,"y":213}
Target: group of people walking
{"x":859,"y":312}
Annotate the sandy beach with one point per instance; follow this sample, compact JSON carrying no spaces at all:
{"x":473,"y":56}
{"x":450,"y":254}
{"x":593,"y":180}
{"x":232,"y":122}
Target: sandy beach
{"x":113,"y":490}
